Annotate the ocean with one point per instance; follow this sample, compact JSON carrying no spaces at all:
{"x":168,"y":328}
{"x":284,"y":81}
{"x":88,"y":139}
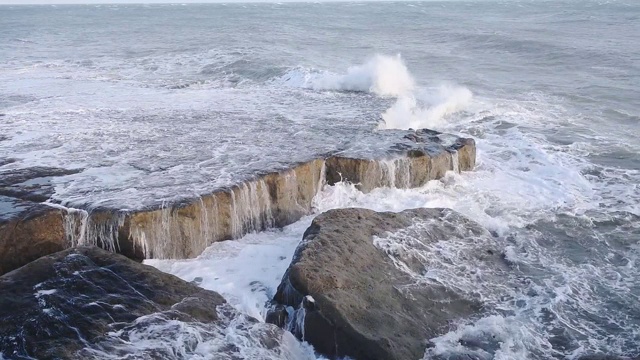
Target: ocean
{"x":157,"y":103}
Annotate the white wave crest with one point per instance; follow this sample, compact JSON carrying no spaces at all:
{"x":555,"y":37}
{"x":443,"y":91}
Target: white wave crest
{"x":407,"y":113}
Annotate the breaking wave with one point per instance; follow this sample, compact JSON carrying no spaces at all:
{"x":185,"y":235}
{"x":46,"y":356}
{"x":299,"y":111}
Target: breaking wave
{"x":407,"y":113}
{"x":382,"y":75}
{"x":387,"y":76}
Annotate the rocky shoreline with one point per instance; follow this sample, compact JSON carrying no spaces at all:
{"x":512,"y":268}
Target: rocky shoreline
{"x":33,"y":225}
{"x":354,"y":288}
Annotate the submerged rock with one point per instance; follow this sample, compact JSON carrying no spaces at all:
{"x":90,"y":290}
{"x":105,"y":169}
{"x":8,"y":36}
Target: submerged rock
{"x":89,"y":303}
{"x":33,"y":184}
{"x":359,"y":294}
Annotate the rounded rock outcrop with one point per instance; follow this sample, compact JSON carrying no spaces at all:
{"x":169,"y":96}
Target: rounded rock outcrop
{"x":354,"y":295}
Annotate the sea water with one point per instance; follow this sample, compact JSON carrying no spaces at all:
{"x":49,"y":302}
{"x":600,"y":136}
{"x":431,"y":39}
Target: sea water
{"x":158,"y":102}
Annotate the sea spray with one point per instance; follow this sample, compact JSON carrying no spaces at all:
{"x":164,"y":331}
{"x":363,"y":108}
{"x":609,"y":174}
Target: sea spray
{"x":382,"y":75}
{"x":410,"y":113}
{"x":388,"y":76}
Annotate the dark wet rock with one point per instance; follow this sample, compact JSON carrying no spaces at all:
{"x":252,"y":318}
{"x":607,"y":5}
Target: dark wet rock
{"x":356,"y":302}
{"x":78,"y":302}
{"x":7,"y":161}
{"x":607,"y":357}
{"x":29,"y":229}
{"x":278,"y":316}
{"x":33,"y":184}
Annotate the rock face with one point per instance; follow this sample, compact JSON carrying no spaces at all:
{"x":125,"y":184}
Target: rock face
{"x":358,"y":296}
{"x":184,"y":229}
{"x":28,"y":229}
{"x":422,"y":156}
{"x":89,"y":303}
{"x":32,"y":230}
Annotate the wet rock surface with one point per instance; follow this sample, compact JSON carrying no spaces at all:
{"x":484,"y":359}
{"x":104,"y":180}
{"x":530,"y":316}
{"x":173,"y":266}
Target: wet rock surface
{"x":89,"y":303}
{"x":414,"y":158}
{"x":360,"y":297}
{"x":183,"y":229}
{"x":29,"y":229}
{"x":32,"y":184}
{"x":606,"y":357}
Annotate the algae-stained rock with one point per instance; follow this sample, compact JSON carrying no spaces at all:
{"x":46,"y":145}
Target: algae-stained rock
{"x":361,"y":295}
{"x":28,"y":231}
{"x":83,"y":303}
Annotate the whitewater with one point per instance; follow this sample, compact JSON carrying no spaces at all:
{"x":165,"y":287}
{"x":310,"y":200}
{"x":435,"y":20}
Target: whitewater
{"x":160,"y":103}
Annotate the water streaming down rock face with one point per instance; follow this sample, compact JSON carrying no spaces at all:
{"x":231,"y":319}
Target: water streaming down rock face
{"x":100,"y":229}
{"x":275,"y":199}
{"x":411,"y":169}
{"x":455,"y":162}
{"x":251,"y":208}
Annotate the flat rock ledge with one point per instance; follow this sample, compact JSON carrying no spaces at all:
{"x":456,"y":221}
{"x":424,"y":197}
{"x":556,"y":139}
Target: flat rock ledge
{"x":87,"y":303}
{"x":29,"y":228}
{"x":354,"y":287}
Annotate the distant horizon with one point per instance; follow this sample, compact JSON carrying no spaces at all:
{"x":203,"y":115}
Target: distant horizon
{"x":144,"y":2}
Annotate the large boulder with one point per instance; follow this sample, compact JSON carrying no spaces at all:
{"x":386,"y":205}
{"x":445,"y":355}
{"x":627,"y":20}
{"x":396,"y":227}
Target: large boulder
{"x":85,"y":303}
{"x":358,"y":286}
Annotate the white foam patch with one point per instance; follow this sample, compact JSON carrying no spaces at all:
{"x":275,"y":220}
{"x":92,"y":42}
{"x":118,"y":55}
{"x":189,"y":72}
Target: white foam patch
{"x":247,"y":271}
{"x":40,"y":293}
{"x":490,"y":338}
{"x":239,"y":337}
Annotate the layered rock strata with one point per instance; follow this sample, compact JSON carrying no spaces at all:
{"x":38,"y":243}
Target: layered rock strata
{"x":186,"y":228}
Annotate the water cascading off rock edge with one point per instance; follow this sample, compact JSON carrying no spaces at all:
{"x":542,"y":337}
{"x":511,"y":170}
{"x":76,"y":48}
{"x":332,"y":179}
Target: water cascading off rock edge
{"x":274,"y":199}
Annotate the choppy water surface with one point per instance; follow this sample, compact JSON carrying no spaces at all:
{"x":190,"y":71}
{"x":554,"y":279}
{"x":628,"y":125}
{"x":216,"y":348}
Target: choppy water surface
{"x":158,"y":102}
